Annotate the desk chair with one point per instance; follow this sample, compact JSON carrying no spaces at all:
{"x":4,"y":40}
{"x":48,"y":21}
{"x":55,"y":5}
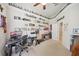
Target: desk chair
{"x":20,"y":46}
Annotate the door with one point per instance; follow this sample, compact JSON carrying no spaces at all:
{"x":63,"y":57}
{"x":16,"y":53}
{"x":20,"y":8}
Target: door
{"x":60,"y":32}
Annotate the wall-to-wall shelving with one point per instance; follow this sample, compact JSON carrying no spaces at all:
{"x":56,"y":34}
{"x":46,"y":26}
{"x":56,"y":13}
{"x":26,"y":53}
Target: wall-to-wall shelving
{"x":25,"y":19}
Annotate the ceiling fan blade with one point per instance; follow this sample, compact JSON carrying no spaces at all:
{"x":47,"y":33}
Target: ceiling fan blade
{"x":36,"y":4}
{"x":44,"y":7}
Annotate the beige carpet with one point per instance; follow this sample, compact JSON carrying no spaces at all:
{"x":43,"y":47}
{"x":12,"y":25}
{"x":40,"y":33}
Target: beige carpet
{"x":51,"y":48}
{"x":47,"y":48}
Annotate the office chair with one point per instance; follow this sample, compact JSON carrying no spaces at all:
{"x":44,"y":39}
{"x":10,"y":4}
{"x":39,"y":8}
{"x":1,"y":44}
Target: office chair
{"x":21,"y":45}
{"x":25,"y":43}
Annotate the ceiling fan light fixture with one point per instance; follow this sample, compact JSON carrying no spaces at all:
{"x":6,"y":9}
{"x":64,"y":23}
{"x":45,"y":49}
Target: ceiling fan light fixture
{"x":41,"y":4}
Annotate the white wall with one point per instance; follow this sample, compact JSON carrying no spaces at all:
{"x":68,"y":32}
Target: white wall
{"x":70,"y":21}
{"x":2,"y":34}
{"x":12,"y":24}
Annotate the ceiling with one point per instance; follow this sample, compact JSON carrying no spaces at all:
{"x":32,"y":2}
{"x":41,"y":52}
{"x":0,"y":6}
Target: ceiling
{"x":51,"y":9}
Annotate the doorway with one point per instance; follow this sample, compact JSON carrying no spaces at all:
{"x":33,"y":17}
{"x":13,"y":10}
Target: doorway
{"x":61,"y":32}
{"x":74,"y":47}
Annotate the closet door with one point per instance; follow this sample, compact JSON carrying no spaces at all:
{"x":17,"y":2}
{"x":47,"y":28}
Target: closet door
{"x":61,"y":32}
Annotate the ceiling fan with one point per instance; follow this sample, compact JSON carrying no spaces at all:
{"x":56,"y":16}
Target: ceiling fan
{"x":44,"y":5}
